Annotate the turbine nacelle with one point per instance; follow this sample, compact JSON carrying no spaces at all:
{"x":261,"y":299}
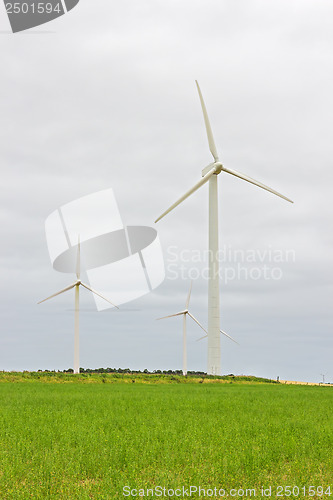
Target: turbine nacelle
{"x":217,"y":165}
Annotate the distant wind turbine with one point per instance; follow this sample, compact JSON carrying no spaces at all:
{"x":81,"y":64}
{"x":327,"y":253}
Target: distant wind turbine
{"x":210,"y":174}
{"x":76,"y":285}
{"x":184,"y":313}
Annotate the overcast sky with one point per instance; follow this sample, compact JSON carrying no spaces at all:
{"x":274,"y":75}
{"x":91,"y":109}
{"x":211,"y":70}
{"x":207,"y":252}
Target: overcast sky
{"x":105,"y":97}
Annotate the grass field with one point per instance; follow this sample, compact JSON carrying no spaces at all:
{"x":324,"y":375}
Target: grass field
{"x":80,"y":440}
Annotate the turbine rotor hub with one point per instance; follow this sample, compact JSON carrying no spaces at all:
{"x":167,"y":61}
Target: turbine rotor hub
{"x":218,"y":167}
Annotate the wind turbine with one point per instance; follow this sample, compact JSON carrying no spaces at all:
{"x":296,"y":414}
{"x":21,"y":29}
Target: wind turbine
{"x":77,"y":285}
{"x":184,"y":313}
{"x":209,"y":174}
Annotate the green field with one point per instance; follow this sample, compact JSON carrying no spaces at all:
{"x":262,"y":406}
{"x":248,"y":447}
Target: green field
{"x":76,"y":437}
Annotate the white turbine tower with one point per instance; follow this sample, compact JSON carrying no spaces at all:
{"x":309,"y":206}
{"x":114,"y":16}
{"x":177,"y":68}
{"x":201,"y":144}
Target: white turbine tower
{"x":76,"y":285}
{"x":184,"y":313}
{"x":210,"y":174}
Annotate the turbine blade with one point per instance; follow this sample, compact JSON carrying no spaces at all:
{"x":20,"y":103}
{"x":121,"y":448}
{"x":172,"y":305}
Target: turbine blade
{"x":256,"y":183}
{"x":229,"y":336}
{"x":211,"y":141}
{"x":97,"y":293}
{"x":58,"y":293}
{"x":172,"y":315}
{"x":189,"y":295}
{"x":222,"y":332}
{"x":188,"y":193}
{"x":78,"y":258}
{"x":197,"y":322}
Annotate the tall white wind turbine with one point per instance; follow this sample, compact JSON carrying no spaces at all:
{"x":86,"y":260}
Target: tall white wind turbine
{"x":76,"y":285}
{"x":184,"y":313}
{"x":209,"y":174}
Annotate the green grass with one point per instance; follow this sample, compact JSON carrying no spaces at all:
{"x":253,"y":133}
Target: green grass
{"x":89,"y":440}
